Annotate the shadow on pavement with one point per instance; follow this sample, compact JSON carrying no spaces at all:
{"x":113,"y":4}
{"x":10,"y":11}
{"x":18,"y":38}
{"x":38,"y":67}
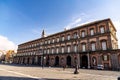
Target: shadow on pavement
{"x":15,"y":78}
{"x":25,"y":78}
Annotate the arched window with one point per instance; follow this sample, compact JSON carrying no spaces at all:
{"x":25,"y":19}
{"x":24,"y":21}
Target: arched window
{"x":93,"y":48}
{"x":104,"y":45}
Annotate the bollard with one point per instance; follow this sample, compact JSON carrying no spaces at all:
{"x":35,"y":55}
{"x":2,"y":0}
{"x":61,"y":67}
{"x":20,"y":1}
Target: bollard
{"x":118,"y":78}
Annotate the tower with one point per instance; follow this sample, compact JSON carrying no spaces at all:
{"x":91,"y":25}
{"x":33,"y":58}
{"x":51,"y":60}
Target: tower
{"x":43,"y":34}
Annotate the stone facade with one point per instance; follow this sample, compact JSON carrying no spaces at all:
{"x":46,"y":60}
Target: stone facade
{"x":90,"y":45}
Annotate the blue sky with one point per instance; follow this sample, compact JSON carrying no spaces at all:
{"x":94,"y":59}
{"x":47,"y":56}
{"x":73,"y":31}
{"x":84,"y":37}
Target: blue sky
{"x":24,"y":20}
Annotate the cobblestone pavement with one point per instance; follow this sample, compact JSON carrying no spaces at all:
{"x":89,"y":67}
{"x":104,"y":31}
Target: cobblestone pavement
{"x":22,"y":72}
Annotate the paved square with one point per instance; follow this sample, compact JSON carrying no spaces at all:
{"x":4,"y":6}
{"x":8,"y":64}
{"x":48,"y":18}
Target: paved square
{"x":36,"y":72}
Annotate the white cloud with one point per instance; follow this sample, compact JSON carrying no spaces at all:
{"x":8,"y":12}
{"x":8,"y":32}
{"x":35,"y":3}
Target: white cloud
{"x":6,"y":44}
{"x":117,"y":26}
{"x":77,"y":20}
{"x":73,"y":24}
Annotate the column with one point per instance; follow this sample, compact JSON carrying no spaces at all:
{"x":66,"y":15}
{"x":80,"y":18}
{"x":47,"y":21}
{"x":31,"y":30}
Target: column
{"x":88,"y":60}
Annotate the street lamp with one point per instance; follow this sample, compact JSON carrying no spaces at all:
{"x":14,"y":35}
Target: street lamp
{"x":76,"y":57}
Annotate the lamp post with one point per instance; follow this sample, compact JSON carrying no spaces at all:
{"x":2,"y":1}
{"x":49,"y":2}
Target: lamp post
{"x":76,"y":57}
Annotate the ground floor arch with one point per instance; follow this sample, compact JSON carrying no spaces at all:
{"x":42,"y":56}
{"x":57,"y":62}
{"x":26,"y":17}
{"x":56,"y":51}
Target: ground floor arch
{"x":56,"y":61}
{"x":39,"y":60}
{"x":68,"y":61}
{"x":84,"y":61}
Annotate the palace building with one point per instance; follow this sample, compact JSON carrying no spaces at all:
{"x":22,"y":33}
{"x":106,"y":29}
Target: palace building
{"x":90,"y":45}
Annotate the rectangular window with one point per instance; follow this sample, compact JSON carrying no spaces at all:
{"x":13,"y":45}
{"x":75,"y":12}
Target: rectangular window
{"x":57,"y":50}
{"x":93,"y":46}
{"x":75,"y":48}
{"x":45,"y":51}
{"x":92,"y":32}
{"x":62,"y":49}
{"x":52,"y":51}
{"x":104,"y":47}
{"x":105,"y":58}
{"x":68,"y":37}
{"x":75,"y":35}
{"x":83,"y":33}
{"x":63,"y":38}
{"x":57,"y":39}
{"x":68,"y":50}
{"x":45,"y":42}
{"x":53,"y":41}
{"x":48,"y":51}
{"x":102,"y":30}
{"x":83,"y":47}
{"x":48,"y":41}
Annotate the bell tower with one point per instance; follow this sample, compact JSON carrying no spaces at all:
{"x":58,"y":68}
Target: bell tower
{"x":43,"y":34}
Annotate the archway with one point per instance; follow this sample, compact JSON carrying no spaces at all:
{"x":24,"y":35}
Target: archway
{"x":33,"y":60}
{"x":47,"y":61}
{"x":84,"y":61}
{"x":68,"y":61}
{"x":28,"y":59}
{"x":56,"y":61}
{"x":119,"y":59}
{"x":39,"y":60}
{"x":23,"y":60}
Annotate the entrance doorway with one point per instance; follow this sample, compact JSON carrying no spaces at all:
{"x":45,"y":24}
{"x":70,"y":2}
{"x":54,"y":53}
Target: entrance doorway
{"x":33,"y":60}
{"x":47,"y":61}
{"x":28,"y":59}
{"x":84,"y":61}
{"x":39,"y":60}
{"x":56,"y":61}
{"x":68,"y":61}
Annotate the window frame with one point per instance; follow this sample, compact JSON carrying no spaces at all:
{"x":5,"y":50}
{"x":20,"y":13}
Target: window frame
{"x":82,"y":33}
{"x":104,"y":45}
{"x":92,"y":31}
